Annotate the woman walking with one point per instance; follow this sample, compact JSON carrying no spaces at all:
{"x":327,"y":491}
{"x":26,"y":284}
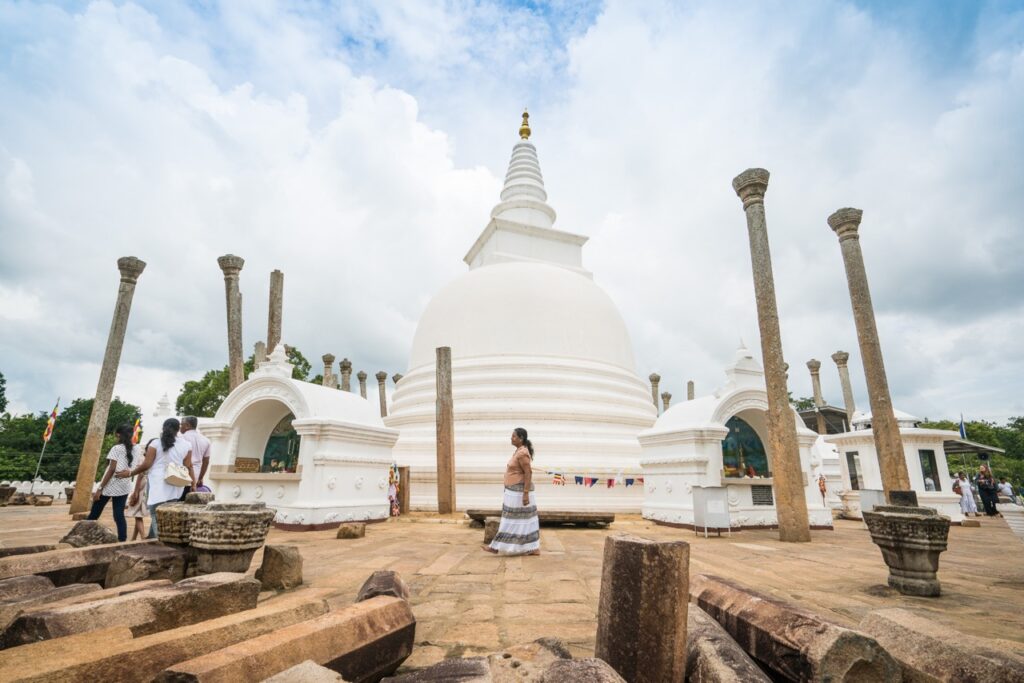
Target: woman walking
{"x":116,"y":490}
{"x":164,"y":458}
{"x":139,"y":510}
{"x":519,"y":531}
{"x":987,"y":489}
{"x":962,"y":487}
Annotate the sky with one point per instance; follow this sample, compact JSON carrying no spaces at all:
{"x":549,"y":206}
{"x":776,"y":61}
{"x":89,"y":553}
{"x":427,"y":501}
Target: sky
{"x":359,"y":147}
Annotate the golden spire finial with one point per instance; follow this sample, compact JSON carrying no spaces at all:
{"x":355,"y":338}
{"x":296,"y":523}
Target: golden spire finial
{"x":524,"y":130}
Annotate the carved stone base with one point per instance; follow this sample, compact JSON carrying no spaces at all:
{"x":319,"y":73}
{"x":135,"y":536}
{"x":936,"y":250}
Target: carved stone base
{"x":213,"y":561}
{"x":911,"y":540}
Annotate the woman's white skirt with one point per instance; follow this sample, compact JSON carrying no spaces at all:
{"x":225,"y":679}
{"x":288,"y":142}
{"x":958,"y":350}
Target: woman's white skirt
{"x":519,"y":530}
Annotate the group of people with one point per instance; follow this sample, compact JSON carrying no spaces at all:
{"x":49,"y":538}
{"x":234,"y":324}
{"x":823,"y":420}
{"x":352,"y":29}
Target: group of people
{"x":989,"y":491}
{"x":138,"y":480}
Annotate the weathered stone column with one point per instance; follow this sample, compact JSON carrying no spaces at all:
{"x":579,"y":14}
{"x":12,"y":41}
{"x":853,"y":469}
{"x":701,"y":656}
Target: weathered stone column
{"x":690,"y":391}
{"x":814,"y":366}
{"x":641,"y":613}
{"x":275,"y":309}
{"x":382,"y":377}
{"x":655,"y":378}
{"x":888,"y":442}
{"x":231,"y":265}
{"x":445,"y":433}
{"x":329,"y":380}
{"x":346,"y":374}
{"x":130,"y":268}
{"x":361,"y":376}
{"x":790,"y":502}
{"x":841,"y":358}
{"x":397,"y":377}
{"x":259,"y":354}
{"x":666,"y":399}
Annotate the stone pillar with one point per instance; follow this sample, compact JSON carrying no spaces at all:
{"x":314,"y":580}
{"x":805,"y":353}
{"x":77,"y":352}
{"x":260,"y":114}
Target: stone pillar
{"x":275,"y":309}
{"x":888,"y":442}
{"x":841,"y":358}
{"x":130,"y":268}
{"x":328,"y":380}
{"x":690,"y":391}
{"x":814,"y":366}
{"x":641,"y":613}
{"x":232,"y":266}
{"x":655,"y":378}
{"x":259,"y":354}
{"x":666,"y":399}
{"x":382,"y":377}
{"x":346,"y":374}
{"x":361,"y":376}
{"x":404,"y":481}
{"x":397,"y":377}
{"x":790,"y":502}
{"x":445,"y":433}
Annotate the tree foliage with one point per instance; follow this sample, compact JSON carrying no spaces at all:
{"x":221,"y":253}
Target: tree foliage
{"x":203,"y":397}
{"x":1009,"y":437}
{"x":3,"y":393}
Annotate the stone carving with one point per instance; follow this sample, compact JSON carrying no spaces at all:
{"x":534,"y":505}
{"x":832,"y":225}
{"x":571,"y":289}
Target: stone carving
{"x":911,"y":540}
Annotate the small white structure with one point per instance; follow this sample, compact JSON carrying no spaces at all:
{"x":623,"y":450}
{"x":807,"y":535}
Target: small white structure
{"x":319,"y":456}
{"x":721,"y":441}
{"x":925,"y":455}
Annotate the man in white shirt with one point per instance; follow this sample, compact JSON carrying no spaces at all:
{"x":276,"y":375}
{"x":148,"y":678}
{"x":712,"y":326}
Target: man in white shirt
{"x":200,"y":450}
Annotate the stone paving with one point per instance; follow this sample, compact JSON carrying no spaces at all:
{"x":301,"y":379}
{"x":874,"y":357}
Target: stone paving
{"x":467,"y":601}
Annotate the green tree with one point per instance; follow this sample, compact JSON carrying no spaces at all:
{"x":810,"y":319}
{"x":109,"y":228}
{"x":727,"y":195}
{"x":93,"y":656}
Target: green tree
{"x":803,"y":403}
{"x":3,"y":393}
{"x":1009,"y":437}
{"x":203,"y":397}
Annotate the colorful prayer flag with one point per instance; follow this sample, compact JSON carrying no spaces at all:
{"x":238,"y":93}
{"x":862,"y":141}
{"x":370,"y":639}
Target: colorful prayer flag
{"x":611,"y":483}
{"x":589,"y":481}
{"x":50,"y":423}
{"x":579,"y":480}
{"x":629,"y":482}
{"x":137,"y":432}
{"x":558,"y":480}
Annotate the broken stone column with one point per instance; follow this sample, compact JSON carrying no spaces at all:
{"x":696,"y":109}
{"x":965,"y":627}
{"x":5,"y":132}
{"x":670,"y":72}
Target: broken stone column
{"x":666,"y":399}
{"x":712,"y":656}
{"x":275,"y":309}
{"x":329,"y":380}
{"x":346,"y":374}
{"x":130,"y":269}
{"x":259,"y":354}
{"x":690,"y":391}
{"x":655,"y":378}
{"x":65,"y":565}
{"x":445,"y":418}
{"x":641,"y":616}
{"x":790,"y":502}
{"x":911,"y":539}
{"x":886,"y":432}
{"x":231,"y":266}
{"x":361,"y":376}
{"x":814,"y":366}
{"x":841,"y":358}
{"x":382,"y":377}
{"x":794,"y":643}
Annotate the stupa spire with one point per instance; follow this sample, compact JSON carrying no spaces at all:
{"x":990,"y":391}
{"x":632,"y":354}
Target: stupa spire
{"x":524,"y":130}
{"x":523,"y":198}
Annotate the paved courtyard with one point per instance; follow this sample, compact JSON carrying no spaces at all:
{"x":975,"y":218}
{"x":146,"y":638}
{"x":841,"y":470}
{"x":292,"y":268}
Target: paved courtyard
{"x":467,"y":601}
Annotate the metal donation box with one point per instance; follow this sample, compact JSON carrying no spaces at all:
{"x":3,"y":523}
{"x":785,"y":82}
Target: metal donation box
{"x":711,"y":509}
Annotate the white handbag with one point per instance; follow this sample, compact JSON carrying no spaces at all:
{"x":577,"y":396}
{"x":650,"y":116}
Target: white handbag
{"x":177,"y":475}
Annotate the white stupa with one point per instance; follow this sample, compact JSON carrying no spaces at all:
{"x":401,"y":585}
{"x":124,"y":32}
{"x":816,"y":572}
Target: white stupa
{"x":535,"y":344}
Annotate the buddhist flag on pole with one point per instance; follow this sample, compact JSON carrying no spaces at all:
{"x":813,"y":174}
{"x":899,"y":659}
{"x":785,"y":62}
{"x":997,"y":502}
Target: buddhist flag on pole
{"x":51,"y":422}
{"x":137,"y":432}
{"x":963,"y":427}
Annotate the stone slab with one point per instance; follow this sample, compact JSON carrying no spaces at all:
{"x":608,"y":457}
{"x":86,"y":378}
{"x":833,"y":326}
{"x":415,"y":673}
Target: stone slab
{"x":589,"y":670}
{"x":791,"y":641}
{"x":144,"y":612}
{"x":306,"y":672}
{"x":140,"y":659}
{"x":383,"y":582}
{"x":552,"y":517}
{"x":928,"y":652}
{"x":88,"y":532}
{"x":10,"y":610}
{"x":66,"y":565}
{"x":25,"y":550}
{"x":20,"y":586}
{"x":362,"y":642}
{"x":145,"y":562}
{"x":712,"y":656}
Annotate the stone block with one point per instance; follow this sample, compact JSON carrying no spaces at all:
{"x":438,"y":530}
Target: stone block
{"x":352,"y":530}
{"x":77,"y":658}
{"x":19,"y":586}
{"x":362,"y":642}
{"x":929,"y":652}
{"x":217,"y":528}
{"x":794,"y":643}
{"x":66,"y":565}
{"x":43,"y":501}
{"x":911,"y":540}
{"x":18,"y":499}
{"x":11,"y":609}
{"x":383,"y":582}
{"x":144,"y":612}
{"x":491,"y":525}
{"x":6,"y":493}
{"x":589,"y":670}
{"x":281,"y":568}
{"x":306,"y":672}
{"x":198,"y":498}
{"x":216,"y":561}
{"x":712,"y":656}
{"x":88,"y":532}
{"x":144,"y":562}
{"x":527,"y":662}
{"x":459,"y":669}
{"x":641,"y":618}
{"x":25,"y":549}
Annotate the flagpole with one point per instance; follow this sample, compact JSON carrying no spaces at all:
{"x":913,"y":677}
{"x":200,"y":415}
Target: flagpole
{"x":32,"y":487}
{"x":46,"y":441}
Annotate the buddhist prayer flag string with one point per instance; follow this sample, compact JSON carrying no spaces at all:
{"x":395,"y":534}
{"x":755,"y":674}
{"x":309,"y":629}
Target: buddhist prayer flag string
{"x":560,"y":479}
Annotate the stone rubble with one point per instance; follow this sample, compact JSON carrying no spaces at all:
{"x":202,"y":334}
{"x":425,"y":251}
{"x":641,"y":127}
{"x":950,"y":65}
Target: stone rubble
{"x":89,"y":533}
{"x":351,"y":530}
{"x":281,"y":568}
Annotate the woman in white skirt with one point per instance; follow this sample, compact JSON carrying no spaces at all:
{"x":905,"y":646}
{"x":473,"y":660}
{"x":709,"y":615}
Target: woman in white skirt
{"x":519,"y":531}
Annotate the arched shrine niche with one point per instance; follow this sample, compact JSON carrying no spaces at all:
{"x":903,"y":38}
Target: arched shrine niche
{"x":282,"y":451}
{"x":267,"y":442}
{"x":744,"y":454}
